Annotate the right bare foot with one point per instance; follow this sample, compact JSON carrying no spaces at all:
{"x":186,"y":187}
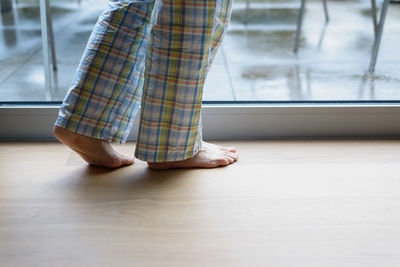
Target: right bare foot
{"x":94,"y":151}
{"x":209,"y":156}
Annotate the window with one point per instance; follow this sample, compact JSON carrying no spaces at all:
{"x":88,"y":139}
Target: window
{"x":325,"y":89}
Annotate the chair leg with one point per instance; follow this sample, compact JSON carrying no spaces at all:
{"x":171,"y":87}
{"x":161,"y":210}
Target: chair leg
{"x":44,"y":4}
{"x":51,"y":38}
{"x":374,"y":19}
{"x":246,"y":17}
{"x":377,"y":43}
{"x":299,"y":25}
{"x":6,"y":6}
{"x":326,"y":10}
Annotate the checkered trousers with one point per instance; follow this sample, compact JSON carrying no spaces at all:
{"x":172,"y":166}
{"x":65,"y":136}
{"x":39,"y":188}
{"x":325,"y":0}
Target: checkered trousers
{"x":152,"y":55}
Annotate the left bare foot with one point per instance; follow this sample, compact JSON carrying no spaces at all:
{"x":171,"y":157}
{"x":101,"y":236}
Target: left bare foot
{"x":210,"y":156}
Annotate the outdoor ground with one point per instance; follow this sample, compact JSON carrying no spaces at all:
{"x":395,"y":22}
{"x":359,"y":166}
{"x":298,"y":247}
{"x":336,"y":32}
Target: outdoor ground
{"x":255,"y":63}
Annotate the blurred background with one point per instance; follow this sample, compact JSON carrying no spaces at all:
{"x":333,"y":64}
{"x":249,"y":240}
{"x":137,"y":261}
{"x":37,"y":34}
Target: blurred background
{"x":256,"y":62}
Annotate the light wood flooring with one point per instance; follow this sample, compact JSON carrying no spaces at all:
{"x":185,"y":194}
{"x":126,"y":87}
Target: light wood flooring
{"x":284,"y":203}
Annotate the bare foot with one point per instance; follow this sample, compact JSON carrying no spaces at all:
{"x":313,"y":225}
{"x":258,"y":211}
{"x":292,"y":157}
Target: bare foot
{"x":209,"y":156}
{"x":94,"y":151}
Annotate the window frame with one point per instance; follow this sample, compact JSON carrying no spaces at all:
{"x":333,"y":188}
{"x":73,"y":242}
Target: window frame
{"x":240,"y":120}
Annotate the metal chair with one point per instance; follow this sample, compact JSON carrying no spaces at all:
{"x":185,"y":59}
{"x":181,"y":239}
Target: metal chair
{"x":302,"y":3}
{"x":378,"y":34}
{"x":48,"y":44}
{"x":300,"y":21}
{"x":377,"y":24}
{"x":6,"y":5}
{"x":49,"y":52}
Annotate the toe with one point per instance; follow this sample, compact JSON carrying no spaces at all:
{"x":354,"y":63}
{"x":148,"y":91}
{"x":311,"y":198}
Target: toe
{"x":229,"y":149}
{"x":232,"y":149}
{"x":223,"y":162}
{"x":232,"y":155}
{"x":127,"y":161}
{"x":231,"y":160}
{"x":235,"y":156}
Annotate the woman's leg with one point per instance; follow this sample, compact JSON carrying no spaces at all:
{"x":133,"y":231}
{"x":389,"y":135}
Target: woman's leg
{"x":182,"y":46}
{"x":105,"y":95}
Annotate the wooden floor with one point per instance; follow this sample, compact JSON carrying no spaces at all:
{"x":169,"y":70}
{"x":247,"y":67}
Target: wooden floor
{"x":284,"y":203}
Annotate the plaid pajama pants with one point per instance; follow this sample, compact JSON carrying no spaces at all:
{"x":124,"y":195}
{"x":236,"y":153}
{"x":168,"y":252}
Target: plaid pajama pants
{"x":152,"y":55}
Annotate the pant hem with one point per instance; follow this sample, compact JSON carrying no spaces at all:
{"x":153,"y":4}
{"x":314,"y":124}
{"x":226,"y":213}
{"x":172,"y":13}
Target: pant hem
{"x":68,"y":124}
{"x":145,"y":155}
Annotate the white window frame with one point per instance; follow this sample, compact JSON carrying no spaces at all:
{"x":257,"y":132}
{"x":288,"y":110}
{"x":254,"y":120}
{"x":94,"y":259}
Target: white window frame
{"x":239,"y":121}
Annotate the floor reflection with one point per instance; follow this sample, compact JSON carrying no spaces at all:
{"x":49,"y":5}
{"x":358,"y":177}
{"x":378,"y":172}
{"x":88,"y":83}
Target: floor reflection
{"x":256,"y":62}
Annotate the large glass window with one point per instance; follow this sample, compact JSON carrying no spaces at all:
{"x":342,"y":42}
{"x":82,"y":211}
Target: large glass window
{"x":256,"y":62}
{"x":21,"y":60}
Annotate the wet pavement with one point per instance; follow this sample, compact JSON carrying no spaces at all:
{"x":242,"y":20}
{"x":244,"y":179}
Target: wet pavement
{"x":256,"y":62}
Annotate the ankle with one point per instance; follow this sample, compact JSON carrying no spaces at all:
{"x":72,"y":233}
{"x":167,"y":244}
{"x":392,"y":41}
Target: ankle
{"x":65,"y":135}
